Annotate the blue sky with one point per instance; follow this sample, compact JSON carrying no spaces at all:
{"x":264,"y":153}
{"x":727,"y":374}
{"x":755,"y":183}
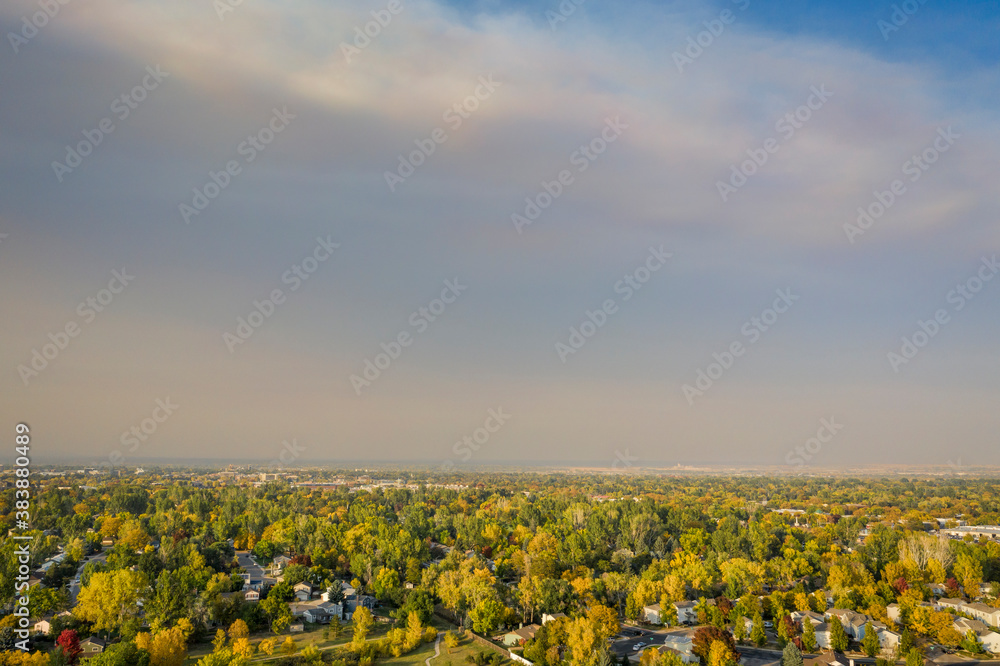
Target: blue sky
{"x":665,"y":140}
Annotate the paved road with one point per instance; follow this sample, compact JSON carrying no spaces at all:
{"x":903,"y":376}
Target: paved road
{"x":629,"y":637}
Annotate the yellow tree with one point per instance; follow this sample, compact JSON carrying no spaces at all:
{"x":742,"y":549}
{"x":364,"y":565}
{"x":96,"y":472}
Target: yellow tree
{"x":450,"y":641}
{"x":363,"y":622}
{"x":168,"y":648}
{"x":242,"y":647}
{"x":238,"y":630}
{"x":414,"y":630}
{"x":111,"y":599}
{"x":581,"y":639}
{"x":288,"y":647}
{"x":266,"y":646}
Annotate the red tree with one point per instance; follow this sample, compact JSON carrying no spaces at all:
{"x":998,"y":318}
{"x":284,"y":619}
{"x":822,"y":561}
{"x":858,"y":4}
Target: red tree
{"x":70,"y":644}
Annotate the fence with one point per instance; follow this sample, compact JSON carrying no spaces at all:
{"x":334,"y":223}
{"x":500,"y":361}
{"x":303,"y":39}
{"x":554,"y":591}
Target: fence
{"x":448,"y":616}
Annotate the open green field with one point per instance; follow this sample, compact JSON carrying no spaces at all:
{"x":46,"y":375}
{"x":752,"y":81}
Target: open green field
{"x":314,"y":634}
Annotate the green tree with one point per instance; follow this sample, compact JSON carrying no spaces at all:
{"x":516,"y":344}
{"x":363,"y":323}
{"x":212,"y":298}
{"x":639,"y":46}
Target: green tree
{"x":757,"y":633}
{"x":914,"y":658}
{"x":808,"y":635}
{"x":791,"y":655}
{"x":838,"y":637}
{"x":487,"y":615}
{"x":870,"y":643}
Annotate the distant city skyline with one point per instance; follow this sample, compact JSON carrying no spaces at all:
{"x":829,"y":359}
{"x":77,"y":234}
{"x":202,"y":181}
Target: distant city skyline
{"x":732,"y":233}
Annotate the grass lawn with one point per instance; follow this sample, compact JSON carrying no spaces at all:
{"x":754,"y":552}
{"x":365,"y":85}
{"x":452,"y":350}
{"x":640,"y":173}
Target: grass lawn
{"x":457,"y":657}
{"x":312,"y":634}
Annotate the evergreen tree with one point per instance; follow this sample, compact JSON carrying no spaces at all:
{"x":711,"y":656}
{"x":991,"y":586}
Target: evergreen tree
{"x":808,"y":636}
{"x":791,"y":656}
{"x":757,"y":634}
{"x":870,"y":643}
{"x":838,"y":637}
{"x":914,"y":658}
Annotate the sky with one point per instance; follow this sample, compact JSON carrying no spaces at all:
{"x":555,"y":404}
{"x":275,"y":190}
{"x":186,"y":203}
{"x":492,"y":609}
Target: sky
{"x":619,"y":234}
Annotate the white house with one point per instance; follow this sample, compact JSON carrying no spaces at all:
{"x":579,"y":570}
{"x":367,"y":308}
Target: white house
{"x":991,"y":641}
{"x":650,"y":614}
{"x":251,"y":595}
{"x":980,"y":611}
{"x":887,"y":638}
{"x":681,"y":644}
{"x":823,"y":635}
{"x":685,"y":612}
{"x":549,"y":617}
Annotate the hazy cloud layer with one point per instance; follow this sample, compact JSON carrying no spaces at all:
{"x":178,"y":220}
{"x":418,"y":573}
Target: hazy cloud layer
{"x":553,"y":91}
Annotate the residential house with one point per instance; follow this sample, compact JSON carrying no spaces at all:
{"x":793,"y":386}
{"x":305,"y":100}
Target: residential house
{"x":888,"y":638}
{"x":303,"y":591}
{"x":963,"y":625}
{"x":251,"y":595}
{"x":938,"y":589}
{"x":981,"y":611}
{"x":43,"y":626}
{"x":685,"y":612}
{"x":650,"y":614}
{"x":681,"y":644}
{"x":823,"y":635}
{"x":991,"y":641}
{"x":351,"y":605}
{"x":892,"y":610}
{"x":317,"y":615}
{"x":549,"y":617}
{"x":519,"y":636}
{"x":829,"y":659}
{"x":92,"y":646}
{"x":948,"y":604}
{"x":852,"y":621}
{"x":801,"y":616}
